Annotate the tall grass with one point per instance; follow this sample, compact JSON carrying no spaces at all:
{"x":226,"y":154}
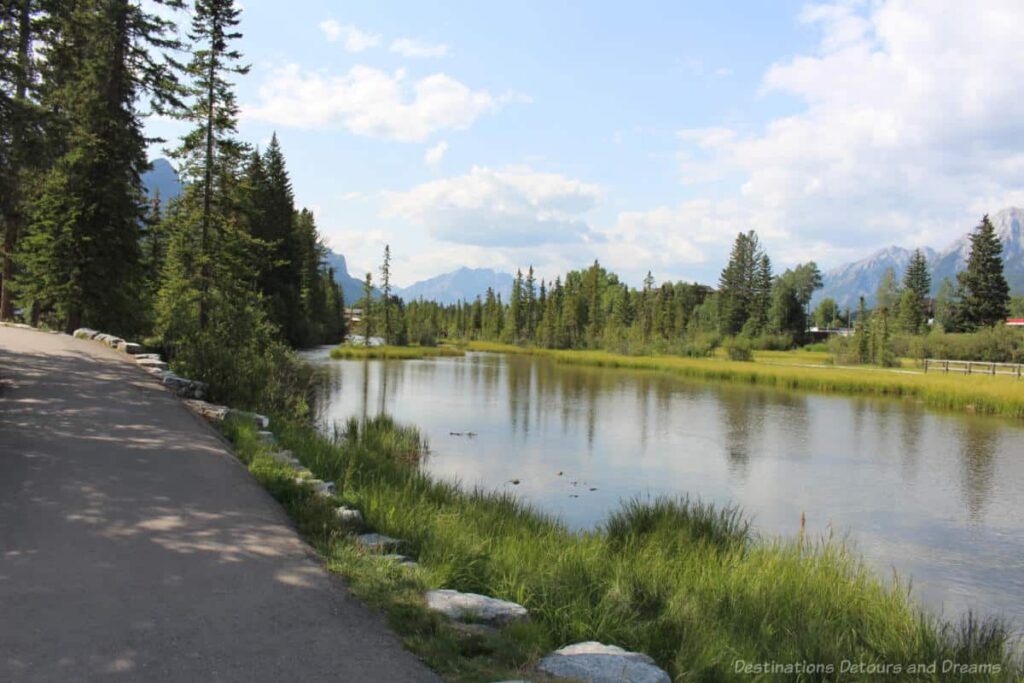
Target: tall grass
{"x":393,"y":352}
{"x":683,"y":581}
{"x":1003,"y":396}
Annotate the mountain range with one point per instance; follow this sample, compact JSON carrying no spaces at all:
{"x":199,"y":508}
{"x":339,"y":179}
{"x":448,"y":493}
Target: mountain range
{"x":464,"y":284}
{"x":162,"y":178}
{"x":847,"y":283}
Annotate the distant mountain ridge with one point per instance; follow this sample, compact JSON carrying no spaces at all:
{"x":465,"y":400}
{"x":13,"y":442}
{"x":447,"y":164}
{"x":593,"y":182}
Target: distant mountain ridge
{"x":162,"y":178}
{"x":351,"y":287}
{"x":847,"y":283}
{"x":464,"y":284}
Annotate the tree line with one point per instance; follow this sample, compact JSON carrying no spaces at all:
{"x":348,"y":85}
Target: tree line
{"x":225,"y":277}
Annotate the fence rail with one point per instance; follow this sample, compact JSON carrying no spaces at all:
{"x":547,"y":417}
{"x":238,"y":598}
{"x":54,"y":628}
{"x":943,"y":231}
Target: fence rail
{"x":972,"y":367}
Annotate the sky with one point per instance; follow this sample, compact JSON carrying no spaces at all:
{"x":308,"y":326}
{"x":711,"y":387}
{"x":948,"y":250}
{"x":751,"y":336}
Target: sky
{"x":642,"y":134}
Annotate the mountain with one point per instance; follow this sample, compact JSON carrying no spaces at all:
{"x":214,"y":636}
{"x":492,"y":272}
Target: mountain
{"x":847,"y":283}
{"x":352,"y":287}
{"x":464,"y":284}
{"x":164,"y":178}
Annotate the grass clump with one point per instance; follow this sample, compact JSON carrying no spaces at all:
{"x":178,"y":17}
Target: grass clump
{"x":387,"y":352}
{"x":683,"y":581}
{"x":1000,"y":395}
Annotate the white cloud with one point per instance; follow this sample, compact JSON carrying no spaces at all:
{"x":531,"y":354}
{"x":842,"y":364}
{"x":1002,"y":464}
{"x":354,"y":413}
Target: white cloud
{"x":353,"y":39}
{"x":513,"y":206}
{"x":417,"y":49}
{"x":433,"y":156}
{"x":371,"y":102}
{"x":912,"y":125}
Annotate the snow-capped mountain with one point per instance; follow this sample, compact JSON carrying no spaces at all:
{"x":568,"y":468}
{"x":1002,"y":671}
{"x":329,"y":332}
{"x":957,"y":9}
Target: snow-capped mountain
{"x":464,"y":284}
{"x":847,"y":283}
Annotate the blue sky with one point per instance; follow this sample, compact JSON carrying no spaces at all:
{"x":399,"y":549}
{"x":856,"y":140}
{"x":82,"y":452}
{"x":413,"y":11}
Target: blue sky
{"x":642,"y":134}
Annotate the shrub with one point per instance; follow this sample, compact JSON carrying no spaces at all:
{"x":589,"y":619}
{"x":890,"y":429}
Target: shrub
{"x":999,"y":344}
{"x":773,"y":342}
{"x":739,"y":348}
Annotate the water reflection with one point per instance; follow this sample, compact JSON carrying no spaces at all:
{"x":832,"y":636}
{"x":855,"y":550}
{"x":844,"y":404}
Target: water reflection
{"x":936,"y":496}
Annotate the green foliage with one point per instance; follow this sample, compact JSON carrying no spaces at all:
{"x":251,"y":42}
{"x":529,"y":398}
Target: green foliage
{"x":984,"y":292}
{"x":680,"y":580}
{"x":739,"y":348}
{"x":998,"y":344}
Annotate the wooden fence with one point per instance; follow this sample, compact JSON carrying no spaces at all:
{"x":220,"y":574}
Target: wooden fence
{"x":972,"y":367}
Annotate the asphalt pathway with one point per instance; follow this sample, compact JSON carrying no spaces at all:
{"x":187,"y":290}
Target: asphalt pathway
{"x":133,"y":546}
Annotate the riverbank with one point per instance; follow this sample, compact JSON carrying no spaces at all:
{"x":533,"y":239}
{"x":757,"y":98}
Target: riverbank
{"x":685,"y":583}
{"x":388,"y":352}
{"x":1002,"y":396}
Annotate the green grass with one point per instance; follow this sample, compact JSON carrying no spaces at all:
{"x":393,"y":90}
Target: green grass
{"x":685,"y":582}
{"x":1000,"y":395}
{"x":394,"y":352}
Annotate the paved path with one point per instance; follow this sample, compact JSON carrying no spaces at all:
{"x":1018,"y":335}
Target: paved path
{"x":133,"y":546}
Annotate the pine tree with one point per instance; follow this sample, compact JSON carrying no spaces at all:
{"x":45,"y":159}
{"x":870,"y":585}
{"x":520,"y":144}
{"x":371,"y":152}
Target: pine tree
{"x":740,"y":283}
{"x":368,"y":312}
{"x":862,"y":336}
{"x":209,"y":152}
{"x":917,"y":286}
{"x":984,"y":292}
{"x":81,"y":256}
{"x":385,"y":290}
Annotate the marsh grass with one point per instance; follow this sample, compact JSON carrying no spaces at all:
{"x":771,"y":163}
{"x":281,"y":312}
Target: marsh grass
{"x":683,"y":581}
{"x":1001,"y":395}
{"x":393,"y":352}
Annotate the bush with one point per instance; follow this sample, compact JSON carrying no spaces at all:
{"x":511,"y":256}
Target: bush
{"x":739,"y":348}
{"x":773,"y":342}
{"x":702,"y":345}
{"x":999,"y":344}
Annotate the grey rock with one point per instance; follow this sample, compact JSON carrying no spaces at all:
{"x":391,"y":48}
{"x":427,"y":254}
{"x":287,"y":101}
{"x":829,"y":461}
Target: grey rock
{"x":151,"y":363}
{"x":400,"y":559}
{"x":147,"y":356}
{"x":378,"y":543}
{"x":265,"y":436}
{"x":480,"y":608}
{"x":321,"y":488}
{"x":598,"y":663}
{"x":286,"y":458}
{"x":84,"y":333}
{"x":210,"y":411}
{"x":130,"y":348}
{"x":349,"y":515}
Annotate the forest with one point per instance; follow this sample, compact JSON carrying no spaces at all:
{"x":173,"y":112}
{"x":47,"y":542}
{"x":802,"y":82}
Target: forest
{"x":224,"y":279}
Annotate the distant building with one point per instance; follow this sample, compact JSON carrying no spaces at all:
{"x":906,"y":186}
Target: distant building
{"x":1015,"y":322}
{"x":819,"y":334}
{"x":354,"y":316}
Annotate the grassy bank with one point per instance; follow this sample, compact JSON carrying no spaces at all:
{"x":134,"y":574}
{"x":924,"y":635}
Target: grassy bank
{"x":683,"y":582}
{"x":394,"y":352}
{"x":1003,"y":396}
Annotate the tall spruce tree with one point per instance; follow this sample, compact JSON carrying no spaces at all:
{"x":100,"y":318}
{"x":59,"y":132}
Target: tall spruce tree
{"x":984,"y":292}
{"x":917,"y":285}
{"x":385,"y":296}
{"x":81,"y":259}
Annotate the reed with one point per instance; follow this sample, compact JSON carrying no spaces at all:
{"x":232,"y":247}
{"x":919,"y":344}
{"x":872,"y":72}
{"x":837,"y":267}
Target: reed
{"x":393,"y":352}
{"x":1003,"y":396}
{"x":683,"y":581}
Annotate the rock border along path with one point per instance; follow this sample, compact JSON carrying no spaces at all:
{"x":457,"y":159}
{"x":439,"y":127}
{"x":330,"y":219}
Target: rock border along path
{"x":590,"y":662}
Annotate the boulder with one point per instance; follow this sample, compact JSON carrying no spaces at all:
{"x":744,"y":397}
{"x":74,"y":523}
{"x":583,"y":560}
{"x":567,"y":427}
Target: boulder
{"x":208,"y":410}
{"x":265,"y":436}
{"x":321,"y":488}
{"x":400,"y":559}
{"x":149,"y":363}
{"x":349,"y":515}
{"x":477,"y":608}
{"x":186,"y":388}
{"x":286,"y":458}
{"x":130,"y":348}
{"x":84,"y":333}
{"x":378,"y":543}
{"x":598,"y":663}
{"x":147,"y":356}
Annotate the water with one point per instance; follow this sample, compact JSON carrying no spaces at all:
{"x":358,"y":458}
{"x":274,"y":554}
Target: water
{"x":937,"y":496}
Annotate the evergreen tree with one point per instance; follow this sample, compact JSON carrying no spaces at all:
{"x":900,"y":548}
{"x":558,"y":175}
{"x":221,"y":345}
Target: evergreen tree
{"x":368,"y":313}
{"x":81,"y":255}
{"x":984,"y":292}
{"x":740,"y":282}
{"x":385,"y":290}
{"x":917,"y":286}
{"x":862,"y":336}
{"x":945,"y":306}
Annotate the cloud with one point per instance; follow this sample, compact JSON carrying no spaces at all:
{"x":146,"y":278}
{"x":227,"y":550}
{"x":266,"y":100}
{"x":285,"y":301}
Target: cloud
{"x":351,"y":37}
{"x":417,"y":49}
{"x":433,"y":156}
{"x":368,"y":101}
{"x":513,"y":206}
{"x":910,"y":125}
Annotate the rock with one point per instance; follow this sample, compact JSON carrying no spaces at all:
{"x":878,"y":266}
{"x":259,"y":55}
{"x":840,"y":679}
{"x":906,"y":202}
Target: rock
{"x":186,"y":388}
{"x":130,"y":348}
{"x":261,"y":421}
{"x":208,"y":410}
{"x":321,"y":488}
{"x":151,"y":363}
{"x":349,"y":515}
{"x":378,"y":543}
{"x":400,"y":559}
{"x":84,"y":333}
{"x":265,"y":436}
{"x":147,"y":356}
{"x":598,"y":663}
{"x":480,"y":608}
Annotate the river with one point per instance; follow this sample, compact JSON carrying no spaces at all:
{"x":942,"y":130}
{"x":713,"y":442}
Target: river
{"x":937,"y":496}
